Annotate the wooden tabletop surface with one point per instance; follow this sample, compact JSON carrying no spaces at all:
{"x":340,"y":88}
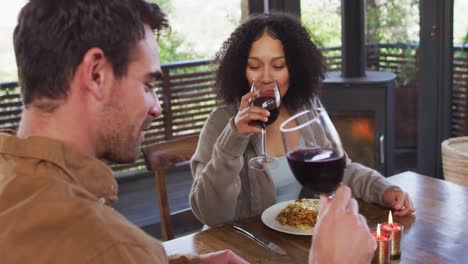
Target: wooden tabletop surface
{"x":436,"y":233}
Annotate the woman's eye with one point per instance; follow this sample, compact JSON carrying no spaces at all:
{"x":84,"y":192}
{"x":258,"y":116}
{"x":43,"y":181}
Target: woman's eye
{"x":278,"y":67}
{"x":254,"y":67}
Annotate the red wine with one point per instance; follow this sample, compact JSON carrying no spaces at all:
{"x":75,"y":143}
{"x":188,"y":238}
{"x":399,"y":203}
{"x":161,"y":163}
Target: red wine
{"x":269,"y":103}
{"x":320,"y":170}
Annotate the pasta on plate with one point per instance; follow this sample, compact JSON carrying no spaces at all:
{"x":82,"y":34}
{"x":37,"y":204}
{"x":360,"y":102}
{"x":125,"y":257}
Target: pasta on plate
{"x":301,"y":214}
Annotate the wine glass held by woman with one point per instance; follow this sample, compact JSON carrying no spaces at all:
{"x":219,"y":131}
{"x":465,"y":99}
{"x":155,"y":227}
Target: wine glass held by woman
{"x":265,"y":48}
{"x":268,"y":98}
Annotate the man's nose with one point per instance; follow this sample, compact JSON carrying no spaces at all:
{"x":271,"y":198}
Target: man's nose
{"x":155,"y":109}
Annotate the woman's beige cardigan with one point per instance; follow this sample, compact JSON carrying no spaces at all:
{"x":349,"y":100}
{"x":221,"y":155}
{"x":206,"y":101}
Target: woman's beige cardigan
{"x":225,"y":189}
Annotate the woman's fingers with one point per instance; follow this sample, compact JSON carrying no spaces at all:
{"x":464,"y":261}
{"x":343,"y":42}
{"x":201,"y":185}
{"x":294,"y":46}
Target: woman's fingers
{"x":397,"y":199}
{"x":245,"y":119}
{"x":407,"y":207}
{"x":246,"y":99}
{"x":248,"y":117}
{"x":256,"y":110}
{"x":410,"y":204}
{"x":398,"y":202}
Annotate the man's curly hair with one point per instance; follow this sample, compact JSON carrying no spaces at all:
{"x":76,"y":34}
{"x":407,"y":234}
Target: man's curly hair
{"x":305,"y":62}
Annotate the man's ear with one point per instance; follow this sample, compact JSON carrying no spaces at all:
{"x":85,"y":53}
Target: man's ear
{"x":94,"y":70}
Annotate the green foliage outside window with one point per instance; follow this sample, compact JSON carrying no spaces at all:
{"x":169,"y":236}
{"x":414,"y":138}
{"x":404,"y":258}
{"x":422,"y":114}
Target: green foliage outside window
{"x":387,"y":21}
{"x":323,"y":20}
{"x":392,"y":21}
{"x":173,"y":46}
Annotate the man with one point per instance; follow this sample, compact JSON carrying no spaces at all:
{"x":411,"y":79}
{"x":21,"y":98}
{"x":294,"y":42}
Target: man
{"x":87,"y":69}
{"x":341,"y":234}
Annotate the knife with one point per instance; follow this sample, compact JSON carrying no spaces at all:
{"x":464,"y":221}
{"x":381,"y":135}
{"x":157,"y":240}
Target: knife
{"x":262,"y":241}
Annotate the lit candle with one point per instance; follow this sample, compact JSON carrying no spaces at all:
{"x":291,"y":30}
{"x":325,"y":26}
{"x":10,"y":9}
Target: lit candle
{"x":382,"y":253}
{"x":395,"y":231}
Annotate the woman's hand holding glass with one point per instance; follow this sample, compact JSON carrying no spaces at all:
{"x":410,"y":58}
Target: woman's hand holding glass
{"x":245,"y":120}
{"x":267,"y":98}
{"x":253,"y":117}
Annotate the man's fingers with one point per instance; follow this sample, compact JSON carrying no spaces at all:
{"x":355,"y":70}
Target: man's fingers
{"x":341,"y":198}
{"x":324,"y":204}
{"x":235,"y":259}
{"x":324,"y":201}
{"x":363,"y":220}
{"x":223,"y":256}
{"x":352,"y":206}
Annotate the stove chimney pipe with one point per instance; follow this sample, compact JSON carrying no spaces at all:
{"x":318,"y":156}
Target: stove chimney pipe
{"x":353,"y":50}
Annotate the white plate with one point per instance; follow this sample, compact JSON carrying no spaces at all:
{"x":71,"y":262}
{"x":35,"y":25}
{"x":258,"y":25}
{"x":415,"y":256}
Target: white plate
{"x":269,"y":215}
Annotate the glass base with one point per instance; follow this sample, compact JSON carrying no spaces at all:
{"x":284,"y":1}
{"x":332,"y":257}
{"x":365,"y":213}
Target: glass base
{"x":260,"y":163}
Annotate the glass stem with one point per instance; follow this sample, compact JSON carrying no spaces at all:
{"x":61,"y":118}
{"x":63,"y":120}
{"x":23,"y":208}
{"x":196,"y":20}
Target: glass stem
{"x":264,"y":142}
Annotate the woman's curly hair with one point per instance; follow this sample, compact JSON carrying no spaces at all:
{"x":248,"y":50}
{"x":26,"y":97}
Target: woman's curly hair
{"x":305,"y":62}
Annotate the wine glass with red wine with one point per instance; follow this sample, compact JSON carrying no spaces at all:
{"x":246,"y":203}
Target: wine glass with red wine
{"x":268,"y":97}
{"x":314,"y":150}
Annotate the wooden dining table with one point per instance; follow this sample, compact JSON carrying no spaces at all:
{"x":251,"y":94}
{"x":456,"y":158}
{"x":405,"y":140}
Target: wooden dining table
{"x":436,"y":233}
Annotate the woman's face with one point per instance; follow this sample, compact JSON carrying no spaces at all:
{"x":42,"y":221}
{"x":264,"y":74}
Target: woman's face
{"x":267,"y":62}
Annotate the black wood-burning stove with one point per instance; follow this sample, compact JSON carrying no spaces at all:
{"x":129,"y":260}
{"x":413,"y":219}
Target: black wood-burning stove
{"x":361,"y":103}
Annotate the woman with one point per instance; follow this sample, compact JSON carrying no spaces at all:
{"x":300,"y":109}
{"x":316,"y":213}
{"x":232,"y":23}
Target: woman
{"x":265,"y":49}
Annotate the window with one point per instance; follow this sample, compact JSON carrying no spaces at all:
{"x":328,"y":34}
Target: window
{"x":8,"y":14}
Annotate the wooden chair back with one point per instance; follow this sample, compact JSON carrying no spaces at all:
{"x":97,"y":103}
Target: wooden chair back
{"x":159,"y":158}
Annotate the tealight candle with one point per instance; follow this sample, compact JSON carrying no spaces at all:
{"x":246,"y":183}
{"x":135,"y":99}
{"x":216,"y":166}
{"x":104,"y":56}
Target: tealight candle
{"x":395,"y":231}
{"x":382,"y":253}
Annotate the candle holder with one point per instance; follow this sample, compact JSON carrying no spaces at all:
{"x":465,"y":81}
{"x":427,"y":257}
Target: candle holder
{"x":382,"y":252}
{"x":395,"y":231}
